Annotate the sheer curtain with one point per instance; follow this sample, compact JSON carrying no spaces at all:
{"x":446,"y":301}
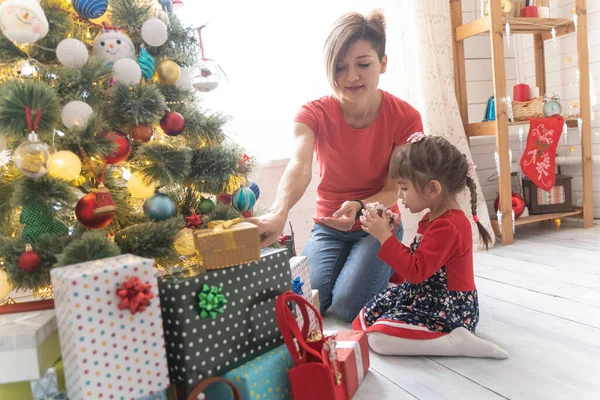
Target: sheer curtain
{"x":272,"y":54}
{"x":428,"y":84}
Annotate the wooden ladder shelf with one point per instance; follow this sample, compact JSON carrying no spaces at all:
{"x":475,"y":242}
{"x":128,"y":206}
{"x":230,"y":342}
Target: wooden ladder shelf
{"x":495,"y":23}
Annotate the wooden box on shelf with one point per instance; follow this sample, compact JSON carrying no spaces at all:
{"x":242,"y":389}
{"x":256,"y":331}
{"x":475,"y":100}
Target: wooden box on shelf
{"x":558,"y":199}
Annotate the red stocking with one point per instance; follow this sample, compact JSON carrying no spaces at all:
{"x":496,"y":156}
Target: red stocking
{"x":539,"y":158}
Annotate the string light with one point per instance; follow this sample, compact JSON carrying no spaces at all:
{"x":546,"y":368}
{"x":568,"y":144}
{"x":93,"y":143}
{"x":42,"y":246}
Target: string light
{"x":507,"y":28}
{"x":521,"y":133}
{"x":566,"y":134}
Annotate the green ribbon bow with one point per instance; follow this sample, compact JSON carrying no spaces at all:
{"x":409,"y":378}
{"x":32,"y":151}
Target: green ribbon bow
{"x":211,"y":301}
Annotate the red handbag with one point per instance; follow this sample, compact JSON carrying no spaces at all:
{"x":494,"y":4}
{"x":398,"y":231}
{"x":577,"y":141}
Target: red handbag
{"x":316,"y":375}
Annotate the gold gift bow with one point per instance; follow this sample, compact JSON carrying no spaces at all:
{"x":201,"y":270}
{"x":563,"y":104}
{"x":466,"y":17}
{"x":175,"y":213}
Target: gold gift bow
{"x":221,"y":225}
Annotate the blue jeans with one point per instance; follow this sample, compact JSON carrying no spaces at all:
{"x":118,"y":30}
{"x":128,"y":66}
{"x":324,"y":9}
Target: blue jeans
{"x":344,"y":267}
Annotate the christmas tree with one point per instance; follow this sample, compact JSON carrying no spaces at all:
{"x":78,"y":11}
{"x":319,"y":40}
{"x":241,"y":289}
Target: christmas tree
{"x":104,"y":148}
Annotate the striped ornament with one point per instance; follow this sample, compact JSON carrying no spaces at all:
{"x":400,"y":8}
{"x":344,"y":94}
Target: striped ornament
{"x":243,"y":199}
{"x":255,"y":189}
{"x":90,"y":9}
{"x":147,"y":63}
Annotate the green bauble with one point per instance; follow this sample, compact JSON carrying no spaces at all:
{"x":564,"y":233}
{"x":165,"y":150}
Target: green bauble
{"x":206,"y":206}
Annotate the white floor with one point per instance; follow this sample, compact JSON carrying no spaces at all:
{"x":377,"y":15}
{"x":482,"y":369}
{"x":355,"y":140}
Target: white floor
{"x":539,"y":300}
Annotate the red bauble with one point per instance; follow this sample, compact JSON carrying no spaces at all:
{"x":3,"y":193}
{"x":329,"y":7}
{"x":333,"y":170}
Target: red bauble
{"x":141,"y":133}
{"x":518,"y":204}
{"x":30,"y":260}
{"x":123,"y":147}
{"x":84,"y":211}
{"x":172,"y":123}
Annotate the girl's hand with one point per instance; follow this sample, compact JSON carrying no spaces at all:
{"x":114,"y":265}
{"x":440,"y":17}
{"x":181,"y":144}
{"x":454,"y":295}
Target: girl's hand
{"x":394,"y":220}
{"x":376,"y":226}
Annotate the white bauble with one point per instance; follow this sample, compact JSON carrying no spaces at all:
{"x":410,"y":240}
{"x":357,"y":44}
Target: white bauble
{"x":137,"y":187}
{"x":76,"y":114}
{"x":185,"y":79}
{"x":64,"y":165}
{"x":127,"y":71}
{"x":23,"y":21}
{"x":112,"y":45}
{"x":154,"y":32}
{"x":72,"y":53}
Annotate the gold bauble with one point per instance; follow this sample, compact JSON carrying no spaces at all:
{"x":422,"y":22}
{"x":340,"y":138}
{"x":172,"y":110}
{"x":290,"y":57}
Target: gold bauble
{"x":184,"y":242}
{"x":168,"y":72}
{"x":5,"y":287}
{"x":505,"y":5}
{"x":138,"y":188}
{"x":64,"y":165}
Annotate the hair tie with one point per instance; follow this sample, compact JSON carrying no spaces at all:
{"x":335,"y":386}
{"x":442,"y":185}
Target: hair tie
{"x":472,"y":168}
{"x":416,"y":137}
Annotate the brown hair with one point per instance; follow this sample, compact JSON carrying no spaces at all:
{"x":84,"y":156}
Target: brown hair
{"x":346,"y":30}
{"x":435,"y":158}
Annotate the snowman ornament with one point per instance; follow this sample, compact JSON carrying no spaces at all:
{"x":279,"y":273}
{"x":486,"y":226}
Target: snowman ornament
{"x":112,"y":45}
{"x":23,"y":21}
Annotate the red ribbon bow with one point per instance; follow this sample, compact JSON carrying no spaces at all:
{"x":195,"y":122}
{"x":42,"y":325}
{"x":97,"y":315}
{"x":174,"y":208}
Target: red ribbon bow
{"x":31,"y":124}
{"x":135,"y":295}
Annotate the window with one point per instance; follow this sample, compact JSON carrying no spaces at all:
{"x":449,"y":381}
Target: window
{"x":271,"y":52}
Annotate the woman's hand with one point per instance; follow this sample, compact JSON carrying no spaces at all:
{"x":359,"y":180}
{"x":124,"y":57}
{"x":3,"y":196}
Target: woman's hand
{"x":270,"y":227}
{"x":376,"y":226}
{"x":344,"y":218}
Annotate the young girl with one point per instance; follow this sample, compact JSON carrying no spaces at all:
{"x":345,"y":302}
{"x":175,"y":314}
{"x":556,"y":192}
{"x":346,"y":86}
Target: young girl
{"x":435,"y":310}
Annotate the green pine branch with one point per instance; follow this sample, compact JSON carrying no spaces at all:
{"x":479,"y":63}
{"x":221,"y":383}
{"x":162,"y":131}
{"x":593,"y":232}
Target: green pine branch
{"x":163,"y":163}
{"x":90,"y":246}
{"x":182,"y":46}
{"x":135,"y":105}
{"x":88,"y":137}
{"x":151,"y":240}
{"x":15,"y":95}
{"x":218,"y":169}
{"x":129,"y":15}
{"x":84,"y":84}
{"x":53,"y":192}
{"x":201,"y":128}
{"x":48,"y":246}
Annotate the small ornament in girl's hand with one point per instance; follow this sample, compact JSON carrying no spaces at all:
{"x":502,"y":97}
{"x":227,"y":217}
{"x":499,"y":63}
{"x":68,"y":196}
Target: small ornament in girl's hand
{"x":382,"y":212}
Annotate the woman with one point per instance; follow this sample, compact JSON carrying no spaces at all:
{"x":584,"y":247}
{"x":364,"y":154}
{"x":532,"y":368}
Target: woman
{"x":353,"y":134}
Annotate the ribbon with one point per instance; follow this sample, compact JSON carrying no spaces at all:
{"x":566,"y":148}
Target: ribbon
{"x":31,"y":124}
{"x":21,"y":320}
{"x":221,"y":225}
{"x":211,"y":301}
{"x":355,"y":346}
{"x":297,"y":286}
{"x":202,"y":50}
{"x":134,"y":295}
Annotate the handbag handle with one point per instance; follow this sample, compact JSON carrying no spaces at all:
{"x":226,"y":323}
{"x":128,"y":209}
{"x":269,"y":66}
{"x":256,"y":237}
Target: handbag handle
{"x":209,"y":381}
{"x":289,"y":326}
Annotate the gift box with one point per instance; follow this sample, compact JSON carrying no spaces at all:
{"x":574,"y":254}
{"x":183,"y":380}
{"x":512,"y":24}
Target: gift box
{"x":265,"y":377}
{"x":227,"y":243}
{"x":301,"y":286}
{"x":315,"y":299}
{"x":48,"y":386}
{"x":352,"y":351}
{"x":29,"y":345}
{"x":110,"y":328}
{"x":217,"y":321}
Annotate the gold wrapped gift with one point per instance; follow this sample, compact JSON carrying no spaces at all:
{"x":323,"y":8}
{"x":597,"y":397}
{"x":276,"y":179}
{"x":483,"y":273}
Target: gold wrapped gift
{"x":227,"y":243}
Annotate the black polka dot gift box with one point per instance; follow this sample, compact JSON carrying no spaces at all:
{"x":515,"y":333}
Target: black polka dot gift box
{"x":221,"y":319}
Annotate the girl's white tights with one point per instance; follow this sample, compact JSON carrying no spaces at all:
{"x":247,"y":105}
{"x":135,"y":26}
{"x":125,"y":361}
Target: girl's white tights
{"x":459,"y":342}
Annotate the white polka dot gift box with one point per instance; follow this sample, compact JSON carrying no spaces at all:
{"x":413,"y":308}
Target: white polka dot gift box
{"x":301,"y":286}
{"x":110,"y":328}
{"x":217,"y":321}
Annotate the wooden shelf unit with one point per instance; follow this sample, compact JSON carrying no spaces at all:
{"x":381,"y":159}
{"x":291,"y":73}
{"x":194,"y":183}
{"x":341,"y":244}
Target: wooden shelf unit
{"x":495,"y":24}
